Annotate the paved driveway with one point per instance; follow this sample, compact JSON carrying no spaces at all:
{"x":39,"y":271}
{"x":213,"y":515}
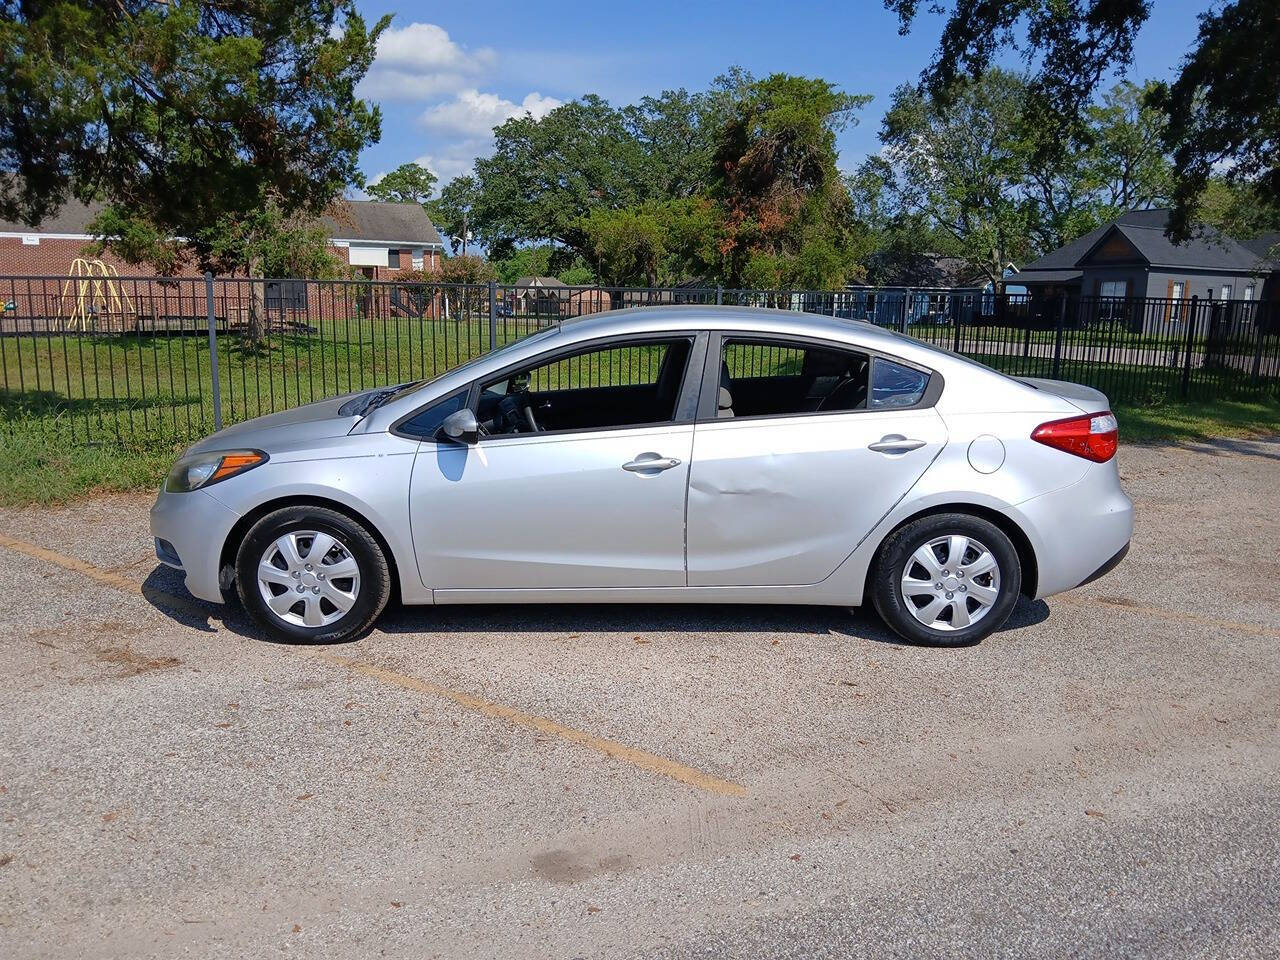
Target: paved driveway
{"x":1101,"y":778}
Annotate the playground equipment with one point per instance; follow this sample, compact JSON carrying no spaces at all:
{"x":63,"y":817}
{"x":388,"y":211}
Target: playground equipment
{"x":94,"y":299}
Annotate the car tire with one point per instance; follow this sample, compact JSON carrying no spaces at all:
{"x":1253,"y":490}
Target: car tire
{"x":364,"y":593}
{"x":946,"y":610}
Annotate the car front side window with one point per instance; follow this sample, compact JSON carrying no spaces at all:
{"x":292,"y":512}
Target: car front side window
{"x":623,"y":384}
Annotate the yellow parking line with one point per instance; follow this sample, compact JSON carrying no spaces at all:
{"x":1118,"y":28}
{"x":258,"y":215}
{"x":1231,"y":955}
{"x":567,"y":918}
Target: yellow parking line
{"x":610,"y":748}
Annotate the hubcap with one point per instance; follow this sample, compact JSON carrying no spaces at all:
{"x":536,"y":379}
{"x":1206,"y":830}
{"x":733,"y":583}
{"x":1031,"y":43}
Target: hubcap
{"x":951,"y":582}
{"x":308,"y":578}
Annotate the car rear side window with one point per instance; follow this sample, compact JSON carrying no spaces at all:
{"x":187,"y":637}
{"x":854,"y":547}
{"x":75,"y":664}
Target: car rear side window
{"x":895,"y":385}
{"x":769,"y":378}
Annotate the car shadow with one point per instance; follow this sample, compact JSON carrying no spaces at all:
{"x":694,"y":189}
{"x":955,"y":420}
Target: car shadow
{"x":165,"y":591}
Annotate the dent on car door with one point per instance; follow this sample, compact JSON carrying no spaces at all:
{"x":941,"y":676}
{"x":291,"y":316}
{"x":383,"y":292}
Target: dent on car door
{"x":564,"y":492}
{"x":800,"y":462}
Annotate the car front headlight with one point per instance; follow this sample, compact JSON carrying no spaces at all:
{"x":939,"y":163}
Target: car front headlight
{"x":202,"y":469}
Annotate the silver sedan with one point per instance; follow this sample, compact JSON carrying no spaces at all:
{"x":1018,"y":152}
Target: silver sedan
{"x":670,"y":454}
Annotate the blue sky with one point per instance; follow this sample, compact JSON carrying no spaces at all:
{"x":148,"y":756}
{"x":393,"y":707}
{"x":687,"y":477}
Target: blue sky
{"x":447,"y":72}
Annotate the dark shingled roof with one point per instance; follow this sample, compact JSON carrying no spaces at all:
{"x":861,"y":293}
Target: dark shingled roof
{"x":374,"y":220}
{"x":1208,"y":249}
{"x":1265,"y":246}
{"x":405,"y":223}
{"x":73,"y":217}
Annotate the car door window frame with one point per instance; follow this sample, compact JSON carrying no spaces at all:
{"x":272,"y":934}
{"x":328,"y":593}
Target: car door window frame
{"x":686,"y":394}
{"x":708,"y":397}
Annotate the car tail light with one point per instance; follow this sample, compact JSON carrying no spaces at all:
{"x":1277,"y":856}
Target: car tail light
{"x":1093,"y":436}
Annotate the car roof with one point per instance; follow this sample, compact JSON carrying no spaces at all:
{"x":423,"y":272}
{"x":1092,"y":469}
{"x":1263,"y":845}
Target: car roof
{"x":699,"y":316}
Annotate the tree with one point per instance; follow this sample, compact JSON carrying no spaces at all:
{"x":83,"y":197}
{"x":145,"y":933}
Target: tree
{"x":1222,"y":109}
{"x":961,"y":163}
{"x":651,"y":243}
{"x":451,"y":212}
{"x":1074,"y":43}
{"x":407,"y":183}
{"x":467,"y":274}
{"x":546,"y":175}
{"x":189,"y":118}
{"x":775,"y":176}
{"x":1113,"y":164}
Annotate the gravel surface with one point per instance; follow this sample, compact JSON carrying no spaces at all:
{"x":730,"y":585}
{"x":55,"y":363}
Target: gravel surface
{"x":1100,"y":778}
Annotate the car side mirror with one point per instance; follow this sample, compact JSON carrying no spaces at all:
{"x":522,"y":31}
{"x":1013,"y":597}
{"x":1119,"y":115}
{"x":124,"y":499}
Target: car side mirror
{"x":461,"y":426}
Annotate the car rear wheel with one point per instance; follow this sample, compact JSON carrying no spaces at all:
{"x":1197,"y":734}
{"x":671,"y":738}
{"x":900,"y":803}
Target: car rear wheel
{"x":312,"y":575}
{"x":946,"y":580}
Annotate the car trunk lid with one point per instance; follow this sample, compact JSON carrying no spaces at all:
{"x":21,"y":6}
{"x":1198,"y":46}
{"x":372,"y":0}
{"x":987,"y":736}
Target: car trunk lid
{"x":1078,"y":395}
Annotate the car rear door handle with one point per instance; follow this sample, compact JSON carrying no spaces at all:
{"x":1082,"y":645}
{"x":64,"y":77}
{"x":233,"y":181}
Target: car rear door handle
{"x":895,"y":443}
{"x":647,"y":462}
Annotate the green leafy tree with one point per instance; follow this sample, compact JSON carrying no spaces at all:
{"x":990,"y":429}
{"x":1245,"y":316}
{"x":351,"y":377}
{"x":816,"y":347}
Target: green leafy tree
{"x":453,"y":211}
{"x":628,"y":245}
{"x":527,"y":261}
{"x":656,"y":242}
{"x":1224,"y":109}
{"x":407,"y":183}
{"x":776,"y":179}
{"x":470,"y":273}
{"x":545,"y":175}
{"x":1220,"y":110}
{"x":961,"y":164}
{"x":189,"y":118}
{"x":1074,"y":45}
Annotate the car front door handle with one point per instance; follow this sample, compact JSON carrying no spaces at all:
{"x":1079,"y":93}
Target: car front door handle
{"x":895,"y":443}
{"x":650,"y":462}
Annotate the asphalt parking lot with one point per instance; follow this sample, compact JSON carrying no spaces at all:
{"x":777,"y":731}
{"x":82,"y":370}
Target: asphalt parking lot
{"x":1100,"y":778}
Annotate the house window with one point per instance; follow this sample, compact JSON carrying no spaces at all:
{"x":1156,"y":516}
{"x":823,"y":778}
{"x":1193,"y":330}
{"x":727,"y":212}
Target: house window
{"x":1227,"y":289}
{"x":1111,"y":295}
{"x":1248,"y":292}
{"x":393,"y":259}
{"x":1176,"y":289}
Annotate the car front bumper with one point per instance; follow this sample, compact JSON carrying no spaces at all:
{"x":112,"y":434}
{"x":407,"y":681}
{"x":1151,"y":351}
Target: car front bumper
{"x":190,"y":529}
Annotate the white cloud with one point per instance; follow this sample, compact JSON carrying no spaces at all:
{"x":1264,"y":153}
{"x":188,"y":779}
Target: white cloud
{"x":420,"y":61}
{"x":474,"y":114}
{"x":462,"y":128}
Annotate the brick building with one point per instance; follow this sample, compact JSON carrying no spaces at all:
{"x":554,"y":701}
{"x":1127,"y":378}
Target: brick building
{"x":377,"y":240}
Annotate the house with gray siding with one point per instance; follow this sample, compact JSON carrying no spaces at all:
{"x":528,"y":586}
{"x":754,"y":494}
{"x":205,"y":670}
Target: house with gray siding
{"x":1131,"y":257}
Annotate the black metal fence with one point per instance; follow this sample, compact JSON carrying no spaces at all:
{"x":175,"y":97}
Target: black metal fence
{"x":166,"y":360}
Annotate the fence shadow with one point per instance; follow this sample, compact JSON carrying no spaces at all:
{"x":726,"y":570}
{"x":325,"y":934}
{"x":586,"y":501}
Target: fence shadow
{"x":39,"y":404}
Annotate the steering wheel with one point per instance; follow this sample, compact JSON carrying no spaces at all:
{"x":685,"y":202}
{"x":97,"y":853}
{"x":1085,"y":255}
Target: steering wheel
{"x":515,"y":414}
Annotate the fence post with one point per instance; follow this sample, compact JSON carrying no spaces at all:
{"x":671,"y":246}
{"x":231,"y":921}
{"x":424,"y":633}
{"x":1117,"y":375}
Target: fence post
{"x":719,"y":295}
{"x":1057,"y":338}
{"x":906,"y":308}
{"x":213,"y":351}
{"x":1186,"y":357}
{"x":493,"y":315}
{"x":955,"y":345}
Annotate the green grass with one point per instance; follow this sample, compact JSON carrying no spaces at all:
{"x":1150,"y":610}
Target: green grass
{"x":35,"y":469}
{"x":1198,"y":420}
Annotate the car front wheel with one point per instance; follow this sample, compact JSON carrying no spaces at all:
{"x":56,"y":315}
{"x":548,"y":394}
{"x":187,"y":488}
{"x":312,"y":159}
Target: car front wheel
{"x":312,"y":575}
{"x":947,"y":580}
